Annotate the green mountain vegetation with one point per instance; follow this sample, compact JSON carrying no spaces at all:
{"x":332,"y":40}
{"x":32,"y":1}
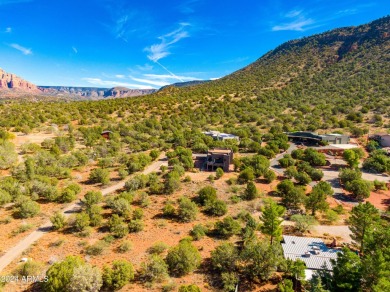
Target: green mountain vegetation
{"x":335,"y":80}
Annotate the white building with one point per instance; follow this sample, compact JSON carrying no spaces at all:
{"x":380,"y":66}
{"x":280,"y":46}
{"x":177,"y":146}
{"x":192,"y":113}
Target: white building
{"x":221,"y":136}
{"x":312,"y":251}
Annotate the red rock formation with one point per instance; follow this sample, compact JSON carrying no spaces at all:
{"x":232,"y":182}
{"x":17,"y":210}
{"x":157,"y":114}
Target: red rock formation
{"x":11,"y":81}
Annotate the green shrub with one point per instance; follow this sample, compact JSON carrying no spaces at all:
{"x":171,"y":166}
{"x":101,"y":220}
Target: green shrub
{"x":216,"y":208}
{"x":5,"y":197}
{"x":81,"y":221}
{"x":227,"y":227}
{"x":158,"y":248}
{"x":219,"y":173}
{"x":153,"y":270}
{"x":121,"y":273}
{"x":183,"y":258}
{"x":187,"y":210}
{"x":331,"y":216}
{"x":250,"y":192}
{"x":207,"y":193}
{"x":58,"y":220}
{"x":198,"y":232}
{"x":225,"y":257}
{"x":28,"y":209}
{"x":96,"y":249}
{"x":269,"y":176}
{"x":100,"y":175}
{"x":92,"y":198}
{"x":136,"y":225}
{"x":125,"y":246}
{"x":59,"y":274}
{"x":30,"y":268}
{"x":189,"y":288}
{"x":138,"y":213}
{"x":169,"y":210}
{"x":117,"y":227}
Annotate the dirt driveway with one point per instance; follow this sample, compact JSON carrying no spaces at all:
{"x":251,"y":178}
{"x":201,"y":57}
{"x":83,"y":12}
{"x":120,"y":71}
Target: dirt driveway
{"x":25,"y":243}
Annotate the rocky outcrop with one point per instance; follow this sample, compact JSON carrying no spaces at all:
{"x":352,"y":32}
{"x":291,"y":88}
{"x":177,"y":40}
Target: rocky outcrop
{"x":92,"y":92}
{"x":126,"y":92}
{"x":14,"y":86}
{"x":11,"y":81}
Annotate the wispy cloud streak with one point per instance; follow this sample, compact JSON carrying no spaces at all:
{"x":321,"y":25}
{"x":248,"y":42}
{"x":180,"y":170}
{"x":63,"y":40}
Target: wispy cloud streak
{"x":25,"y":51}
{"x":110,"y":83}
{"x":161,"y":50}
{"x":296,"y":20}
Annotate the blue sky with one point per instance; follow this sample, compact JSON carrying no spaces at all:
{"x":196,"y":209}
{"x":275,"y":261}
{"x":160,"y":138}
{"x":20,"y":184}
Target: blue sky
{"x":148,"y":44}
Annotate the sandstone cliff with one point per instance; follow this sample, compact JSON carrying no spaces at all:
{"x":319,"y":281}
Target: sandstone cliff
{"x":93,"y":92}
{"x":11,"y":81}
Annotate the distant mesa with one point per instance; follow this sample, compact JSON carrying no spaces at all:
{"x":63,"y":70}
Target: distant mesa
{"x":93,"y":92}
{"x":14,"y":86}
{"x":126,"y":92}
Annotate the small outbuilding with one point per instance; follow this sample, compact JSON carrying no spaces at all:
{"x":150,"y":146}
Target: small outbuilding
{"x":219,"y":158}
{"x":106,"y":134}
{"x":221,"y":136}
{"x":382,"y":139}
{"x":312,"y":251}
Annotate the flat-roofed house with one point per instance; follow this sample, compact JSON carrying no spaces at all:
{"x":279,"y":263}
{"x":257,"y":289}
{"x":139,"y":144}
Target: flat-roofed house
{"x":312,"y":137}
{"x":312,"y":251}
{"x":221,"y":136}
{"x":219,"y":158}
{"x":382,"y":139}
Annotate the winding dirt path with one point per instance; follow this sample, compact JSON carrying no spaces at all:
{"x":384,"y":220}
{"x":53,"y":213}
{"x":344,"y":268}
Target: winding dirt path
{"x":27,"y":241}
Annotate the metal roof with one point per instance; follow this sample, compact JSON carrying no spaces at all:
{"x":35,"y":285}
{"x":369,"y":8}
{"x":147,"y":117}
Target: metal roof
{"x":312,"y":251}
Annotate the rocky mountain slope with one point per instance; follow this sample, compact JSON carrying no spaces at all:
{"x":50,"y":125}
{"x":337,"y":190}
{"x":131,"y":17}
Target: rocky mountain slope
{"x":350,"y":62}
{"x":10,"y":81}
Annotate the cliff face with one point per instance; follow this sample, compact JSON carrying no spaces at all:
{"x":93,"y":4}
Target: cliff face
{"x":11,"y":81}
{"x":14,"y":86}
{"x":92,"y":92}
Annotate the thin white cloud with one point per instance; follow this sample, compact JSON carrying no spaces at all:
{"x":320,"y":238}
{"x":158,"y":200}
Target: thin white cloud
{"x":8,"y":30}
{"x":120,"y":76}
{"x":162,"y":49}
{"x":295,"y":20}
{"x":75,"y":50}
{"x":215,"y":78}
{"x":297,"y":25}
{"x":188,"y":6}
{"x":25,"y":51}
{"x":121,"y":27}
{"x":152,"y":82}
{"x":146,"y":67}
{"x":124,"y":21}
{"x":293,"y":13}
{"x":169,"y":77}
{"x":110,"y":83}
{"x":347,"y":11}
